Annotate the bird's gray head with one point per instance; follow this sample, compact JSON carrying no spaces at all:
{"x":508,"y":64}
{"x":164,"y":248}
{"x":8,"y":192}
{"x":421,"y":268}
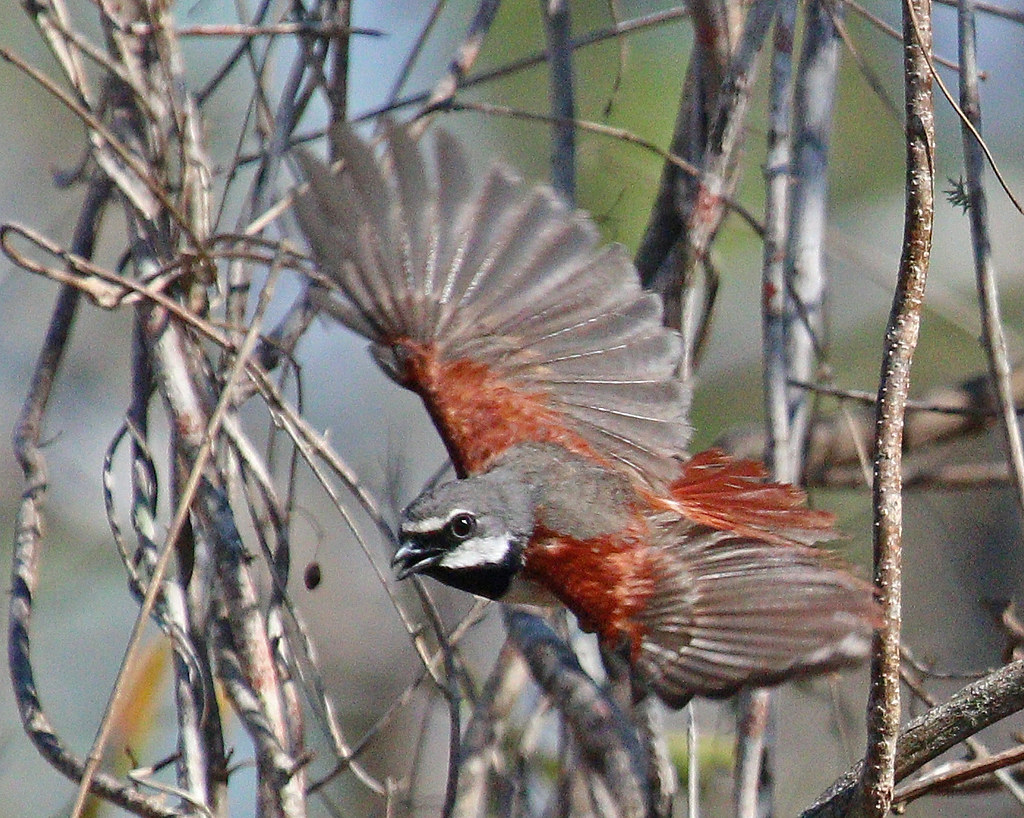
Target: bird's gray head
{"x":469,"y":534}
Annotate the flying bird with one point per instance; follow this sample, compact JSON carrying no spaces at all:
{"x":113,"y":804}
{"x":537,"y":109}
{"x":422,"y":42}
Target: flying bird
{"x":554,"y":385}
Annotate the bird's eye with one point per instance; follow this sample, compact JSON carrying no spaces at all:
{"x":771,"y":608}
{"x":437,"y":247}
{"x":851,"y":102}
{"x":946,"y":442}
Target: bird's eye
{"x":461,"y":526}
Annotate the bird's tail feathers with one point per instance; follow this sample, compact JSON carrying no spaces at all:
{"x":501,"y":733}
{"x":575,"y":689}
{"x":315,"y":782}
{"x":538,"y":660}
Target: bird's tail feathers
{"x":718,"y":491}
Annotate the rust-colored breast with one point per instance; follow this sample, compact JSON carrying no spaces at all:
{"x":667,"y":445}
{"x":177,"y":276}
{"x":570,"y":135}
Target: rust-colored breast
{"x":605,"y":581}
{"x":478,"y":413}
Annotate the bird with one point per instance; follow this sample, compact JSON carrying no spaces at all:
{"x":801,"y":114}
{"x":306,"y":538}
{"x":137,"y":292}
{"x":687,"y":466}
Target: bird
{"x":556,"y":389}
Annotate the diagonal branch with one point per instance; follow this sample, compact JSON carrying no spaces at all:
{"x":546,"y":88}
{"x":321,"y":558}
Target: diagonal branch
{"x":606,"y":739}
{"x":968,"y":712}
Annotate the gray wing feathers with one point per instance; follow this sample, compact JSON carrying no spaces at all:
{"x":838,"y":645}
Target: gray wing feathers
{"x":729,"y":612}
{"x":500,"y":273}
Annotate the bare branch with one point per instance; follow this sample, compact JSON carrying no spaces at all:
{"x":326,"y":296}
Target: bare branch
{"x":445,"y":90}
{"x":948,"y":776}
{"x":557,"y":25}
{"x":28,"y":539}
{"x":942,"y":415}
{"x":607,"y":741}
{"x":609,"y":131}
{"x":900,"y":342}
{"x":969,"y":711}
{"x":984,"y":267}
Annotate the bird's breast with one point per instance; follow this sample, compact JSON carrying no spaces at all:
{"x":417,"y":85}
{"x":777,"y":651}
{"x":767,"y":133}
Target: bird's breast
{"x":606,"y":581}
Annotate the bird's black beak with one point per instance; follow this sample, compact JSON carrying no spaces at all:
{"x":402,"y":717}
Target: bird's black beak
{"x":414,"y":558}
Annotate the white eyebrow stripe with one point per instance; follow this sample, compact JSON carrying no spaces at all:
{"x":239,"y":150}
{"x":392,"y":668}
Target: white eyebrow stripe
{"x":477,"y":552}
{"x":429,"y":524}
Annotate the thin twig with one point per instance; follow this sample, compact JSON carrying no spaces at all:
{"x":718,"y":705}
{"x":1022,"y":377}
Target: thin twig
{"x":157,"y":196}
{"x":530,"y":61}
{"x":414,"y":53}
{"x":967,"y":411}
{"x":984,"y":266}
{"x":468,"y":52}
{"x":948,"y":776}
{"x":866,"y":71}
{"x":944,"y":414}
{"x":966,"y":122}
{"x":1013,"y":15}
{"x":326,"y":29}
{"x":160,"y":566}
{"x":892,"y":32}
{"x":609,"y":131}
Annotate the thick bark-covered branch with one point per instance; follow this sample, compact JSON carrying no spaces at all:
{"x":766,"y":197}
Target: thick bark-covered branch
{"x":607,"y":741}
{"x":900,"y":342}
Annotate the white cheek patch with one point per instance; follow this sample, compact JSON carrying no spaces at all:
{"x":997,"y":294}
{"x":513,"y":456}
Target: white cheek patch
{"x":476,"y":553}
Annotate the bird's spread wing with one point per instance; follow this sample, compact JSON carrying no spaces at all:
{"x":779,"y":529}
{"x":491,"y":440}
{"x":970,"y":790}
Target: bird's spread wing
{"x":497,"y":305}
{"x":728,"y":611}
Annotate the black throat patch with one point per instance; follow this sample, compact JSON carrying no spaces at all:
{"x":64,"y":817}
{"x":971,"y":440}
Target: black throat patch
{"x":489,"y":581}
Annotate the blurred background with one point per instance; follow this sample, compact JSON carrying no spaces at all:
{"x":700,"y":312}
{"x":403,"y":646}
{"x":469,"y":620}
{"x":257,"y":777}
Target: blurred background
{"x":962,"y":546}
